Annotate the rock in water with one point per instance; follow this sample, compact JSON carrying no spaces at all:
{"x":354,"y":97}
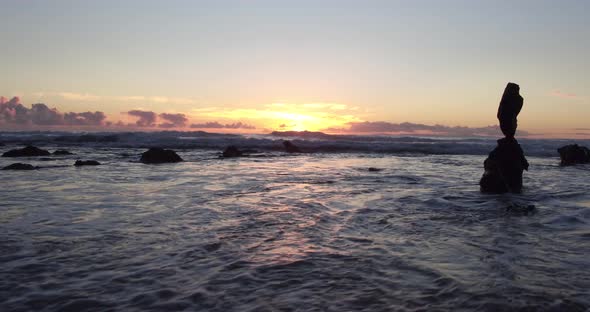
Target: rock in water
{"x":510,"y":106}
{"x":290,"y":147}
{"x":232,"y":151}
{"x":503,"y":168}
{"x":26,"y":152}
{"x":574,"y":154}
{"x":505,"y":164}
{"x":86,"y":163}
{"x":62,"y":152}
{"x":158,"y":155}
{"x":20,"y":166}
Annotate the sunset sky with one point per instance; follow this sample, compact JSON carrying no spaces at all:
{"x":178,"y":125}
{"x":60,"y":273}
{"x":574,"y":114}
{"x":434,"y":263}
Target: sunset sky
{"x":258,"y":66}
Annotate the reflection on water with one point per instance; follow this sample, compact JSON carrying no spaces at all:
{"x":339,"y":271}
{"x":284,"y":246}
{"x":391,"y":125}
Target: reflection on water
{"x":308,"y":232}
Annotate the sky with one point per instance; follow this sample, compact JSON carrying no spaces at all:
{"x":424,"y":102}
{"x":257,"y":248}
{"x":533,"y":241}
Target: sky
{"x":259,"y":66}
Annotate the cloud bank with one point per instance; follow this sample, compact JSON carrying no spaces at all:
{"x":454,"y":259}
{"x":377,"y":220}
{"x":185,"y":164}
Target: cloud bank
{"x":173,"y":120}
{"x":145,"y":118}
{"x":217,"y":125}
{"x":13,"y":113}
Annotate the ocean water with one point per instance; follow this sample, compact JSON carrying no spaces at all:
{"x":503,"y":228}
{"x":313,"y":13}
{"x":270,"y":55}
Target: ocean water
{"x":316,"y":231}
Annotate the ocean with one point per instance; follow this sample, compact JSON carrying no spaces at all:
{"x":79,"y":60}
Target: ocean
{"x":356,"y":223}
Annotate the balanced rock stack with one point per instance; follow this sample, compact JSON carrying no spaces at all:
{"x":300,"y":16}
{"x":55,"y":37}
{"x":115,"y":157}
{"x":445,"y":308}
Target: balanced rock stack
{"x":505,"y":164}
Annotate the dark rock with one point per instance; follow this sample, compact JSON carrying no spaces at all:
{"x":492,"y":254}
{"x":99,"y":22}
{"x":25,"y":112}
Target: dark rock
{"x":503,"y":168}
{"x":62,"y":152}
{"x":574,"y":154}
{"x":158,"y":155}
{"x":20,"y":166}
{"x":26,"y":152}
{"x":290,"y":147}
{"x":373,"y":169}
{"x":510,"y":106}
{"x":86,"y":163}
{"x":519,"y":209}
{"x":232,"y":151}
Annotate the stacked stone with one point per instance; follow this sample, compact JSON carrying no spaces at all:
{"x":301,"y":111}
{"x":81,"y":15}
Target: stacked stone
{"x":505,"y":164}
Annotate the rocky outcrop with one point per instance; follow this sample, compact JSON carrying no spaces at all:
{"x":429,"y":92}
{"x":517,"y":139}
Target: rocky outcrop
{"x":232,"y":151}
{"x":158,"y":155}
{"x":62,"y":152}
{"x":26,"y":152}
{"x":20,"y":166}
{"x":506,"y":163}
{"x":503,"y":168}
{"x":574,"y":154}
{"x":290,"y":147}
{"x":80,"y":163}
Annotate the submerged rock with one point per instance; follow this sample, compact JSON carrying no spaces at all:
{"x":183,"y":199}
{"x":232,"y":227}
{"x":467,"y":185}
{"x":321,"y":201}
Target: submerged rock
{"x":20,"y":166}
{"x":62,"y":152}
{"x":290,"y":147}
{"x":79,"y":163}
{"x":503,"y":168}
{"x":158,"y":155}
{"x":232,"y":151}
{"x":26,"y":152}
{"x":573,"y":154}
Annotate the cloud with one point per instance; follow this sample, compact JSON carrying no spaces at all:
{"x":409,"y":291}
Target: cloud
{"x":85,"y":119}
{"x":146,"y":118}
{"x":418,"y":129}
{"x":13,"y":113}
{"x":563,"y":95}
{"x":217,"y":125}
{"x":173,"y":120}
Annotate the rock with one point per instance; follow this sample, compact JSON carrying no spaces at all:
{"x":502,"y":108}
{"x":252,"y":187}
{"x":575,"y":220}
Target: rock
{"x":158,"y":155}
{"x":503,"y":168}
{"x":86,"y":163}
{"x":573,"y":154}
{"x":290,"y":147}
{"x":26,"y":152}
{"x":20,"y":166}
{"x":510,"y":106}
{"x":232,"y":151}
{"x":373,"y":169}
{"x":62,"y":152}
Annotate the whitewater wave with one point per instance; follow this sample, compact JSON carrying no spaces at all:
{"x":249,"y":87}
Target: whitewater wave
{"x":308,"y":142}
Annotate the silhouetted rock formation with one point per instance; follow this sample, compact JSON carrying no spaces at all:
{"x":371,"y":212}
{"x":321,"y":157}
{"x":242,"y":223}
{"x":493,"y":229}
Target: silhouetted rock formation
{"x":290,"y":147}
{"x":26,"y":152}
{"x":158,"y":155}
{"x":62,"y":152}
{"x":505,"y":164}
{"x":503,"y":168}
{"x":20,"y":166}
{"x":574,"y":154}
{"x":510,"y":106}
{"x":232,"y":151}
{"x":79,"y":163}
